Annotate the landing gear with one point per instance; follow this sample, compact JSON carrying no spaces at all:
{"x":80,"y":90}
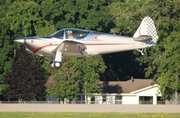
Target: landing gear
{"x":80,"y":50}
{"x":51,"y":65}
{"x":55,"y":65}
{"x":141,"y":51}
{"x":56,"y":61}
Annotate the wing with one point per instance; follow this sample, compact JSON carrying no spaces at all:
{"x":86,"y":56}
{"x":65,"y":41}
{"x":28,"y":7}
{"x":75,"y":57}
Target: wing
{"x":70,"y":48}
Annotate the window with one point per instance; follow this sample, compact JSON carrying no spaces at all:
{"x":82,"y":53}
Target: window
{"x":81,"y":99}
{"x":93,"y":100}
{"x":118,"y":99}
{"x":104,"y":98}
{"x":160,"y":100}
{"x":145,"y":99}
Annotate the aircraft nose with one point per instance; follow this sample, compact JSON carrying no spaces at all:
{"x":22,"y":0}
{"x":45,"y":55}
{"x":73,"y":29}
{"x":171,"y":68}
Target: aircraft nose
{"x":21,"y":41}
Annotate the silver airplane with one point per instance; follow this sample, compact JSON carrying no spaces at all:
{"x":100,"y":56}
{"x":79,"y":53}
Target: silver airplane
{"x":72,"y":42}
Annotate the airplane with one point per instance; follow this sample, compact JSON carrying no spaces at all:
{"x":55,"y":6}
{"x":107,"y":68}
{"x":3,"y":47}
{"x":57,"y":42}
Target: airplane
{"x":74,"y":42}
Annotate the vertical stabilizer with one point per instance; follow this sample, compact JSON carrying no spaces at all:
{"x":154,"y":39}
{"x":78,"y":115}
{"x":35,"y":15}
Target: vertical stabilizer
{"x":146,"y":32}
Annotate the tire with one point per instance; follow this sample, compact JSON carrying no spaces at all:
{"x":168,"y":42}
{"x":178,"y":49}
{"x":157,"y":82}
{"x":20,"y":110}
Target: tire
{"x":57,"y":64}
{"x":51,"y":65}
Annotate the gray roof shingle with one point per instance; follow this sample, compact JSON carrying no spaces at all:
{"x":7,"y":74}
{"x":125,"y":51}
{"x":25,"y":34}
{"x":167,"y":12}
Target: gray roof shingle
{"x":125,"y":86}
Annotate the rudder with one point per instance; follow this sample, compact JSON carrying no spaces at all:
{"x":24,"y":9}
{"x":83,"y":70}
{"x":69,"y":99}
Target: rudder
{"x":146,"y":32}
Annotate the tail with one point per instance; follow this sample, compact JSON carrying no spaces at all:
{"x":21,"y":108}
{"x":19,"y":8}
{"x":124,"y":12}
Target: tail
{"x":146,"y":32}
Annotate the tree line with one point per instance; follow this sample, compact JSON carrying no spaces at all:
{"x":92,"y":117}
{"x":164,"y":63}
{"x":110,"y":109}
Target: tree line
{"x":24,"y":76}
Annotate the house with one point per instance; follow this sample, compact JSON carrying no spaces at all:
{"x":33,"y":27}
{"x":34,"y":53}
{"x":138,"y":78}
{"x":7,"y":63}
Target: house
{"x":134,"y":91}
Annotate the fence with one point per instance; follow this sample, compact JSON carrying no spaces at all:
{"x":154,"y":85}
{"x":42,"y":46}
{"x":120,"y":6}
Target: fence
{"x":71,"y":102}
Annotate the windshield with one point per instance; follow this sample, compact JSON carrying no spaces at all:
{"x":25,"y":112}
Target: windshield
{"x":58,"y":34}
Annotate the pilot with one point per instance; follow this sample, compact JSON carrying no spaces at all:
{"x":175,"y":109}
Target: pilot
{"x":69,"y":34}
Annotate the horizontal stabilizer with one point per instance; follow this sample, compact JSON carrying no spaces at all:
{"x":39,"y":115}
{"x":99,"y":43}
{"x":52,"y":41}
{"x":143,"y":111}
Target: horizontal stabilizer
{"x":143,"y":38}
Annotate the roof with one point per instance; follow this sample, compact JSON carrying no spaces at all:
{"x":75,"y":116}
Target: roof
{"x":125,"y":86}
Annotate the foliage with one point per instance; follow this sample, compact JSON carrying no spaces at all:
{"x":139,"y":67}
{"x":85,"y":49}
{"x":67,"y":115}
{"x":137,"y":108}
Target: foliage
{"x":155,"y":61}
{"x":13,"y":14}
{"x":28,"y":13}
{"x":123,"y":65}
{"x":166,"y":53}
{"x":76,"y":75}
{"x":169,"y":69}
{"x":91,"y":68}
{"x":89,"y":14}
{"x":6,"y":48}
{"x":26,"y":80}
{"x":44,"y":17}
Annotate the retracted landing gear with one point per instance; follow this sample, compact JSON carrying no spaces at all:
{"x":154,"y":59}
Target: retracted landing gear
{"x":56,"y":61}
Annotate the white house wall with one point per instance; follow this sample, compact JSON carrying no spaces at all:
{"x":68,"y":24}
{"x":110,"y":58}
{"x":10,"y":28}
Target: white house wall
{"x":151,"y":91}
{"x":110,"y":99}
{"x":127,"y":99}
{"x":130,"y":98}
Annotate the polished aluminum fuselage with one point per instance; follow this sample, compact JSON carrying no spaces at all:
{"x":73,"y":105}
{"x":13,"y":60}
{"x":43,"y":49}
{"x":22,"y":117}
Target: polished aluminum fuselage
{"x":95,"y":42}
{"x":73,"y":42}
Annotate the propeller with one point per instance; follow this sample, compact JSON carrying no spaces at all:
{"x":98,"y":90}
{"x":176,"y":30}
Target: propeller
{"x":22,"y":29}
{"x":22,"y":33}
{"x":22,"y":41}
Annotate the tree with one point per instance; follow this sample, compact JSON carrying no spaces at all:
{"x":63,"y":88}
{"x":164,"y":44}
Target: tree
{"x":159,"y":63}
{"x":89,"y":14}
{"x":6,"y":53}
{"x":44,"y":17}
{"x":12,"y":15}
{"x":75,"y":72}
{"x":6,"y":43}
{"x":63,"y":83}
{"x":91,"y":68}
{"x":169,"y":69}
{"x":26,"y":80}
{"x":80,"y":14}
{"x":164,"y":61}
{"x":123,"y":65}
{"x":30,"y":14}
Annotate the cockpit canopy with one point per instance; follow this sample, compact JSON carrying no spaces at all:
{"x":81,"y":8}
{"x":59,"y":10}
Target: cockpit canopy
{"x":76,"y":33}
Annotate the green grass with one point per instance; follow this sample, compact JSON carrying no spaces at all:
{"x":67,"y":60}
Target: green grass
{"x":86,"y":115}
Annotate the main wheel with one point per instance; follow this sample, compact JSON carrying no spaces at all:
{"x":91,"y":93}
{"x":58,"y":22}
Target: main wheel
{"x":51,"y":65}
{"x":57,"y":64}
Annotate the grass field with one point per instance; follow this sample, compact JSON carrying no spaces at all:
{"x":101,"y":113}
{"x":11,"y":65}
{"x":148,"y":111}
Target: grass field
{"x":86,"y":115}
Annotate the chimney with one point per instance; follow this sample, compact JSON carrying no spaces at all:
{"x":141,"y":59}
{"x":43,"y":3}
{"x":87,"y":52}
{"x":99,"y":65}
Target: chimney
{"x":132,"y":80}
